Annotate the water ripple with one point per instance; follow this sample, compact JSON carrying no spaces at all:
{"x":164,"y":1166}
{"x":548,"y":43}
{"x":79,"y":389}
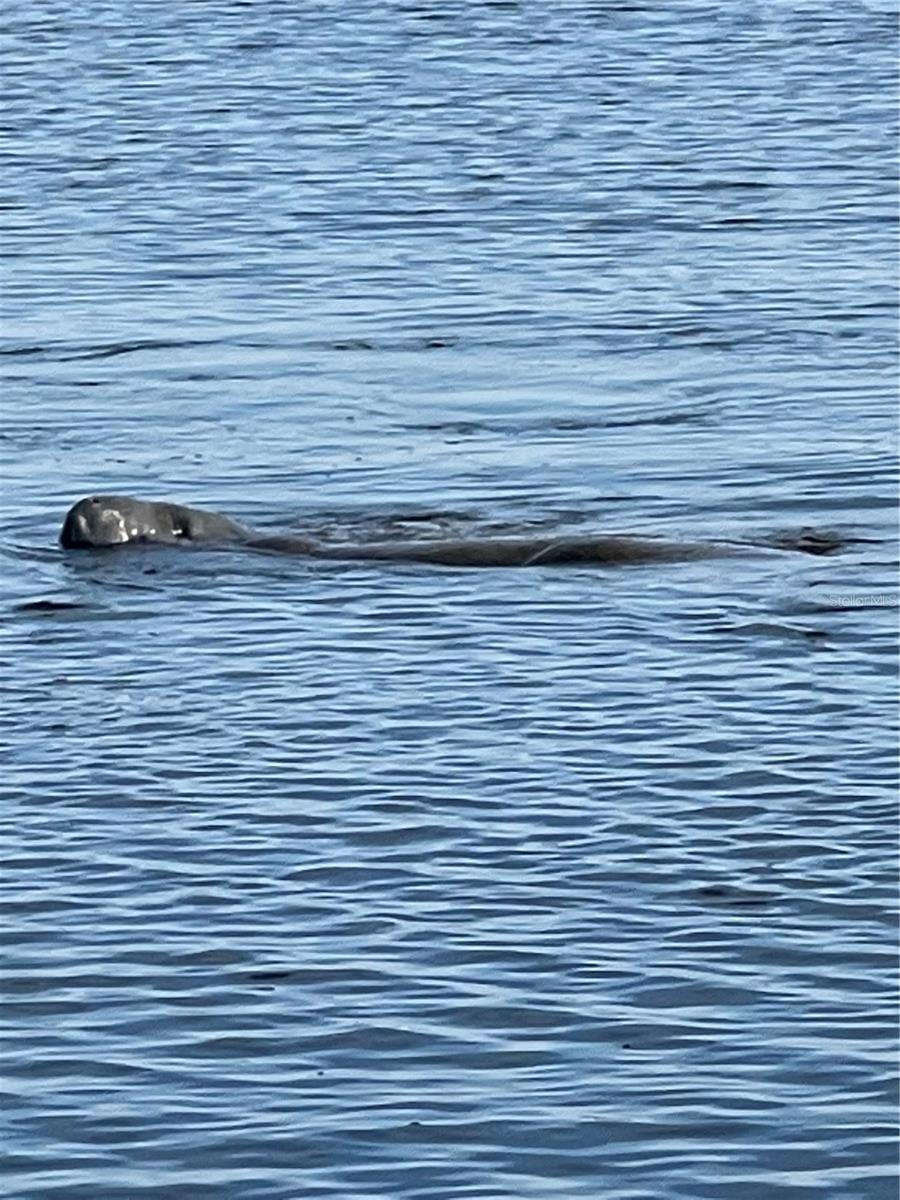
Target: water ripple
{"x":339,"y":880}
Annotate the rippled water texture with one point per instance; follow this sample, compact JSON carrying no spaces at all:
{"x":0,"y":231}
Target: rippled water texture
{"x":410,"y":883}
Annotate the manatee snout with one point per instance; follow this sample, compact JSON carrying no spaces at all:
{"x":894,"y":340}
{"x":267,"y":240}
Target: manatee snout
{"x":93,"y":522}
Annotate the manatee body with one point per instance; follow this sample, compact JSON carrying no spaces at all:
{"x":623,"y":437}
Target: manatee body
{"x":105,"y":521}
{"x":518,"y":551}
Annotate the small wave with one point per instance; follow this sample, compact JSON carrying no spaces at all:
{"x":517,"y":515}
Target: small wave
{"x":76,"y":353}
{"x":562,"y":424}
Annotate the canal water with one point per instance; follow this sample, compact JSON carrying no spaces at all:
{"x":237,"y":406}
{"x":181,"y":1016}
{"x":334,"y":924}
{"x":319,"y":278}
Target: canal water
{"x":393,"y":882}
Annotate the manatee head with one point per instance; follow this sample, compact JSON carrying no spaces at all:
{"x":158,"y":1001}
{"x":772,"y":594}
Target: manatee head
{"x":100,"y":521}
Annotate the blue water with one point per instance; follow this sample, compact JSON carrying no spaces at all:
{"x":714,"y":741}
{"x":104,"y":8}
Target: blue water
{"x":405,"y":883}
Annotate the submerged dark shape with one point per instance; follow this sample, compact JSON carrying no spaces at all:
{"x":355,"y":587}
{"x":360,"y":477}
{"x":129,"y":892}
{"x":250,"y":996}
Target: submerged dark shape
{"x":108,"y":521}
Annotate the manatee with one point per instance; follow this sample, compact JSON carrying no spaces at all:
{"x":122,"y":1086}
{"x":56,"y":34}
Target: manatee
{"x":109,"y":521}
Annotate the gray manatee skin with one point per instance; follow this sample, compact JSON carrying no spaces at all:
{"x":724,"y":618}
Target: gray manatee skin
{"x":107,"y":521}
{"x":100,"y":521}
{"x":526,"y":551}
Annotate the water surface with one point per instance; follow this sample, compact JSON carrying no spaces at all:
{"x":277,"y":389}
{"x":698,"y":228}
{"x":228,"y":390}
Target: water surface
{"x":348,"y":880}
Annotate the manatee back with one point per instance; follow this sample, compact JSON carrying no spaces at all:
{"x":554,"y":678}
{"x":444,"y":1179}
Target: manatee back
{"x":201,"y":526}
